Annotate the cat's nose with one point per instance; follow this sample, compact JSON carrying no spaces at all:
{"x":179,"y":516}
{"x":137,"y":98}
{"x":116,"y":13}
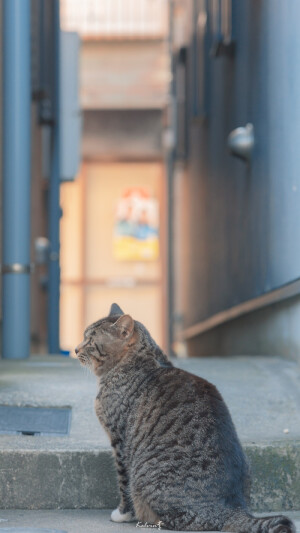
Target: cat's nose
{"x":78,"y":348}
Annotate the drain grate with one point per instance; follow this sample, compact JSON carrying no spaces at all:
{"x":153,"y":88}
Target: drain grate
{"x":35,"y":420}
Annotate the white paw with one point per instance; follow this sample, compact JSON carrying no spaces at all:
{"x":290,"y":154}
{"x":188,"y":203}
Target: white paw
{"x":116,"y":516}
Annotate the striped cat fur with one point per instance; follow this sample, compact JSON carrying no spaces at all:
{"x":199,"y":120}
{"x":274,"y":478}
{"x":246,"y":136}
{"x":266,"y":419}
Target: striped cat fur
{"x":179,"y":461}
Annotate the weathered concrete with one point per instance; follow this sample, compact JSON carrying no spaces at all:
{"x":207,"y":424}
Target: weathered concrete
{"x":262,"y":393}
{"x":77,"y":471}
{"x":276,"y":476}
{"x":49,"y":480}
{"x":30,"y":530}
{"x":77,"y":521}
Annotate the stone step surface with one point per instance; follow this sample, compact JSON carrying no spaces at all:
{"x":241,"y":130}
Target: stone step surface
{"x":77,"y":472}
{"x":77,"y":521}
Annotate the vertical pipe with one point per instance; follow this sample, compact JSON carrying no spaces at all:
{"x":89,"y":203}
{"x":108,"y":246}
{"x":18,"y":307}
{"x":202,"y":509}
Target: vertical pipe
{"x":53,"y":205}
{"x":16,"y":178}
{"x":220,"y":35}
{"x":169,"y":161}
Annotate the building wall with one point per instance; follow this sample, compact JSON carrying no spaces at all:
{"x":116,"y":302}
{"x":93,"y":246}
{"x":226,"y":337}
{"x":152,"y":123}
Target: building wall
{"x":243,"y":220}
{"x":107,"y":20}
{"x":123,"y":88}
{"x":1,"y":172}
{"x":124,"y":77}
{"x":118,"y":74}
{"x":93,"y":275}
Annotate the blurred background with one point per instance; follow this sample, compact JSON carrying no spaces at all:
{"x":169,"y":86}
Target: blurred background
{"x":149,"y":152}
{"x":124,"y":76}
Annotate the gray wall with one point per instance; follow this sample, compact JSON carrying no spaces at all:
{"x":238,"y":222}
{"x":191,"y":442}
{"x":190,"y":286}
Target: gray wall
{"x":1,"y":165}
{"x":242,"y":222}
{"x":243,"y":227}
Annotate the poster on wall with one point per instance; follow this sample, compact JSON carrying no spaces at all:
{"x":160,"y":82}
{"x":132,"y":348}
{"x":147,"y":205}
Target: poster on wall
{"x":136,"y":232}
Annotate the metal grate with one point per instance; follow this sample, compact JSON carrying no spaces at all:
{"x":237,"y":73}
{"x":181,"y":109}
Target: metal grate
{"x":34,"y":420}
{"x":115,"y":18}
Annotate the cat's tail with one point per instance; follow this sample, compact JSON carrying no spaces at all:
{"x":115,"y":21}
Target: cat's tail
{"x":243,"y":522}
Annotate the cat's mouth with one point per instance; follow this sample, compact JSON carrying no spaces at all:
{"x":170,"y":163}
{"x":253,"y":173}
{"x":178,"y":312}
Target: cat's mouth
{"x":83,"y":359}
{"x":92,"y":362}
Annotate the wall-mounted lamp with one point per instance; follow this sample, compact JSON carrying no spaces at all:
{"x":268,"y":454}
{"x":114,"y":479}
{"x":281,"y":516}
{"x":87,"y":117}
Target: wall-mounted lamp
{"x":241,"y":142}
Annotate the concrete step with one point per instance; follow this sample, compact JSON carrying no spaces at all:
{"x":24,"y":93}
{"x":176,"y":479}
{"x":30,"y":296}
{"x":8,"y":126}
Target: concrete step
{"x":77,"y":471}
{"x":76,"y":521}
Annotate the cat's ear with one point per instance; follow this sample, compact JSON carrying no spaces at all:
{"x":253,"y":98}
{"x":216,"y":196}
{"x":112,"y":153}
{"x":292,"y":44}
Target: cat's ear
{"x":115,"y":310}
{"x":124,"y":326}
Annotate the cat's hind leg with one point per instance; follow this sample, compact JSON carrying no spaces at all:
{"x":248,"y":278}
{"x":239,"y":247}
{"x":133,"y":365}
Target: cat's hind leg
{"x":212,"y":518}
{"x":176,"y":518}
{"x":188,"y":520}
{"x":144,"y":513}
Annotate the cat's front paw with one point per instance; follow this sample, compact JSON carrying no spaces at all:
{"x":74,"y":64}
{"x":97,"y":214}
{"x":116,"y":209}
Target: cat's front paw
{"x":116,"y":516}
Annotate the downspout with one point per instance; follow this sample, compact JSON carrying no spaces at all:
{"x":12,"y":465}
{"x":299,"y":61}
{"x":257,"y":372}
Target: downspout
{"x":16,"y":178}
{"x":170,"y":184}
{"x":54,"y":199}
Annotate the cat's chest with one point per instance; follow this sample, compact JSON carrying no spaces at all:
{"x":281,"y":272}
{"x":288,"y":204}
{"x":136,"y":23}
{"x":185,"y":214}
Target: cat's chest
{"x":117,"y":401}
{"x":113,"y":404}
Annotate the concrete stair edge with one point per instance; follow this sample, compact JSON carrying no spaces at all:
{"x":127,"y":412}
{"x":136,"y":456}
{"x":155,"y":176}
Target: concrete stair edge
{"x":87,"y":479}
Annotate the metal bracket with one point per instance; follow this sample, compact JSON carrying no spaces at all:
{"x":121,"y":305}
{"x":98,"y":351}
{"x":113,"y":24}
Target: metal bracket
{"x":221,"y":48}
{"x":16,"y":268}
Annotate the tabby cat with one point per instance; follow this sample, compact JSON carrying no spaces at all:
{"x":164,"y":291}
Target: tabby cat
{"x":179,"y":461}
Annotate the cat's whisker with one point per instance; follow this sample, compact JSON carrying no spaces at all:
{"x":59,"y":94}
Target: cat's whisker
{"x":87,"y":370}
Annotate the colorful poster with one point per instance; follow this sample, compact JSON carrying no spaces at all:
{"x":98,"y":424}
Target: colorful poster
{"x":136,"y":235}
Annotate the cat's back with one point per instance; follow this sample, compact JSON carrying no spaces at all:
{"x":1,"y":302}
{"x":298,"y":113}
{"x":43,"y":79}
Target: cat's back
{"x":183,"y":398}
{"x":152,"y":387}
